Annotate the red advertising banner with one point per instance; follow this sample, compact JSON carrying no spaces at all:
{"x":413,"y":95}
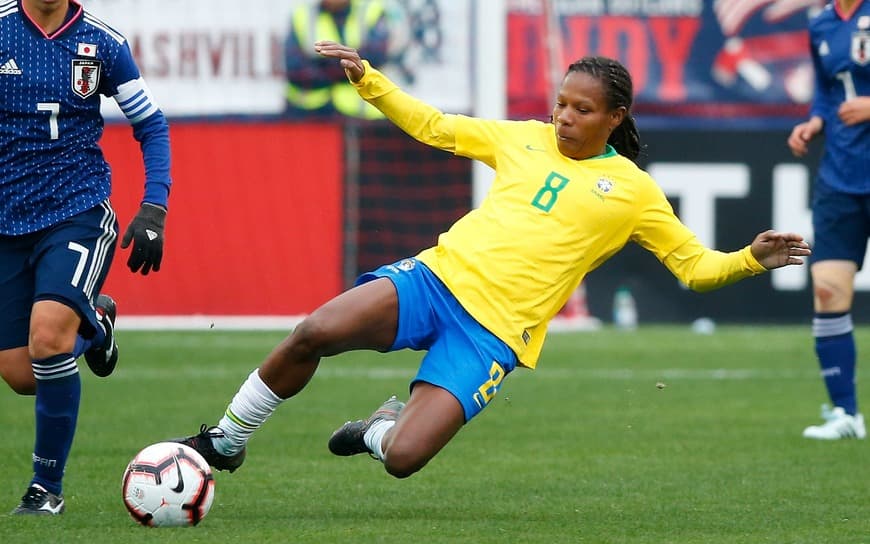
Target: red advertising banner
{"x":690,"y":60}
{"x":254,"y":224}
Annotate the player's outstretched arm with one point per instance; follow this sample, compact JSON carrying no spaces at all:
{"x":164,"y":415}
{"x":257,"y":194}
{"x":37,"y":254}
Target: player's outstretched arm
{"x":774,"y":249}
{"x":420,"y":120}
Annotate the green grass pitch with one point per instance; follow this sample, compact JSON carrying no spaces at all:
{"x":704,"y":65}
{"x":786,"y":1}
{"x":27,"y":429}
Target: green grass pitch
{"x":586,"y":449}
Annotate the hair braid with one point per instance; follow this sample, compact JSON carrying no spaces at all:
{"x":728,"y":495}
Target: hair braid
{"x":618,"y":90}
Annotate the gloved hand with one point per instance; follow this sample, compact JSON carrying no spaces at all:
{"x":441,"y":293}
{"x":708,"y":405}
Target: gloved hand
{"x":146,"y":233}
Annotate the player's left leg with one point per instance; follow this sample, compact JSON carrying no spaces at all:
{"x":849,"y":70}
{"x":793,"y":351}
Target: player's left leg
{"x":69,"y":263}
{"x":53,"y":328}
{"x":361,"y":318}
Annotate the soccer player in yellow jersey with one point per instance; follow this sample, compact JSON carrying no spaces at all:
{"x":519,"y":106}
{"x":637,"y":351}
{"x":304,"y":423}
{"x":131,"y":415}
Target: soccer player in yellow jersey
{"x":566,"y":197}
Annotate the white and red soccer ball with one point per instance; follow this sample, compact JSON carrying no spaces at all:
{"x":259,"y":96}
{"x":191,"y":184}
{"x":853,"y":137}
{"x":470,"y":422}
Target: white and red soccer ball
{"x":168,"y":485}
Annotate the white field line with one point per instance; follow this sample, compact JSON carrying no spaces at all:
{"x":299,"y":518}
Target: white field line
{"x":280,"y":322}
{"x":206,"y":322}
{"x":328,"y":371}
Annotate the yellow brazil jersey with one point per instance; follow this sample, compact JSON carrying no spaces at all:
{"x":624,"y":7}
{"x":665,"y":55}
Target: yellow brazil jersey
{"x":546,"y":222}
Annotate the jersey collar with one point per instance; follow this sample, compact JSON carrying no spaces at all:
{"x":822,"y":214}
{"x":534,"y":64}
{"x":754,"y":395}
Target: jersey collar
{"x":73,"y":14}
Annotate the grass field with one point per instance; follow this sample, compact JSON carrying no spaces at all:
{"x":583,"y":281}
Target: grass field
{"x":585,"y":449}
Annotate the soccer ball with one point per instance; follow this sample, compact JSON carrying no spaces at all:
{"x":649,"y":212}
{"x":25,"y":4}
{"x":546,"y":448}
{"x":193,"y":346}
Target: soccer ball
{"x":168,"y":485}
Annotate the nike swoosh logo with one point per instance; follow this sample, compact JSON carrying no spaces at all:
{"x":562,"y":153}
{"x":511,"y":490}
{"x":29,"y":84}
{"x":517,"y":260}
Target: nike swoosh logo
{"x":530,"y":147}
{"x":180,"y":487}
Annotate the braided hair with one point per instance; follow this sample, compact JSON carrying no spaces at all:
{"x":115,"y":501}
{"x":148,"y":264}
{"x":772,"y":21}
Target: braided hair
{"x":618,"y":91}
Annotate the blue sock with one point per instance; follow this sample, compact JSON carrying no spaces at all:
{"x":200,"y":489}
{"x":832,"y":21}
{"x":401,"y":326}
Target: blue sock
{"x":58,"y":391}
{"x":835,"y":348}
{"x":84,"y":344}
{"x":81,"y":346}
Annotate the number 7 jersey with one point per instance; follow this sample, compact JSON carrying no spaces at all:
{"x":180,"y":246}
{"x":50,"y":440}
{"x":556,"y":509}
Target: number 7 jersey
{"x":50,"y":121}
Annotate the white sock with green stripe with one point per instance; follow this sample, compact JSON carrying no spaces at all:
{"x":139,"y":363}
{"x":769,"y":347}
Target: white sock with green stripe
{"x":374,"y":437}
{"x":251,"y":406}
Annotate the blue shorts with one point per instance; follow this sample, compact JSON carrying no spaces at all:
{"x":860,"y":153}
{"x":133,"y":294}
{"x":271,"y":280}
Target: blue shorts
{"x":841,"y":225}
{"x":463,"y":357}
{"x":67,"y":262}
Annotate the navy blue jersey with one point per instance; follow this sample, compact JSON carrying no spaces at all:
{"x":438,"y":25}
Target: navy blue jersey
{"x":840,"y":46}
{"x":50,"y":121}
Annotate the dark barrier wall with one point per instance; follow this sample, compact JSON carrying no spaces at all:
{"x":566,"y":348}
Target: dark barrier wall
{"x":770,"y":186}
{"x":408,"y":193}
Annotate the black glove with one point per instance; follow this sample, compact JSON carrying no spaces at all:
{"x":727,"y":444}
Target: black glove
{"x":146,"y":233}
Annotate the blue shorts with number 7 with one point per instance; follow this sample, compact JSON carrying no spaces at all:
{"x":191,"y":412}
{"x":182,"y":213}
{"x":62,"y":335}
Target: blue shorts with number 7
{"x":67,"y":262}
{"x":463,"y":357}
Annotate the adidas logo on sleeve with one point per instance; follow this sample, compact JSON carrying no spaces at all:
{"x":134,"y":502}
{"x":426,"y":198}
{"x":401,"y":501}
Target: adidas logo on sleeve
{"x":10,"y":67}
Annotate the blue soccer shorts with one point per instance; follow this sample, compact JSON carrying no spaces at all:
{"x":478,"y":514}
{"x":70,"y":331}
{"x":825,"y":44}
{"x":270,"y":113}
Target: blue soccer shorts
{"x":67,"y":262}
{"x":462,"y":356}
{"x":841,"y":225}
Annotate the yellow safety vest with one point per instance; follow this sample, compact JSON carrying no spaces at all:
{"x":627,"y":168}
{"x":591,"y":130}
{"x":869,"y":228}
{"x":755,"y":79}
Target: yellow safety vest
{"x":362,"y":17}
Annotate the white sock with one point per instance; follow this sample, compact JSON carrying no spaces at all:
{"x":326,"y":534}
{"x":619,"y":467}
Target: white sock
{"x":375,"y":435}
{"x":251,"y":406}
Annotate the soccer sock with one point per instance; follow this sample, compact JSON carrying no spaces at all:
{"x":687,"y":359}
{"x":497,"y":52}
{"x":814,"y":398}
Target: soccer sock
{"x":251,"y":406}
{"x":374,"y":436}
{"x":58,"y":392}
{"x":84,"y":344}
{"x":835,"y":348}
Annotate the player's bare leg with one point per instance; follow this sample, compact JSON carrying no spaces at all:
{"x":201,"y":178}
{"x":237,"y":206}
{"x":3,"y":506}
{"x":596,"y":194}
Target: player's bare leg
{"x":364,"y":317}
{"x":430,"y":419}
{"x":17,"y":371}
{"x":403,"y":436}
{"x":52,"y":338}
{"x":833,"y":332}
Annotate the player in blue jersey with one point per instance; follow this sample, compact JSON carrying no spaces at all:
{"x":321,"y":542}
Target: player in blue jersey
{"x":840,"y":49}
{"x":58,"y":230}
{"x":566,"y":196}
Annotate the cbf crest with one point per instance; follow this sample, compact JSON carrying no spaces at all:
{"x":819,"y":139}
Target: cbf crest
{"x":85,"y":77}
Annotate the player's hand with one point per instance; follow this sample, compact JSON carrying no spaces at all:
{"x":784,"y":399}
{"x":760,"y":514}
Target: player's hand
{"x":799,"y":139}
{"x":146,"y":233}
{"x":855,"y":110}
{"x":776,"y":249}
{"x":349,"y":57}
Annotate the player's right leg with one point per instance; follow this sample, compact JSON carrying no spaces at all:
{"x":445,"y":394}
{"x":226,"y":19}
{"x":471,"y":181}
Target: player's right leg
{"x":841,"y":225}
{"x":364,"y":317}
{"x":834,"y":337}
{"x":404,"y":436}
{"x":460,"y":374}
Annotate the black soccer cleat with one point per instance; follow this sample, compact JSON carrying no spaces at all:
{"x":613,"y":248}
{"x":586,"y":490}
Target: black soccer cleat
{"x":202,"y":443}
{"x":40,"y":502}
{"x":348,"y":439}
{"x":103,"y":358}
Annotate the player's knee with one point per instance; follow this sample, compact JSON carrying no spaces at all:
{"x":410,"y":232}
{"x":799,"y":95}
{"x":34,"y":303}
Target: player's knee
{"x":402,"y":462}
{"x":310,"y":338}
{"x":830,"y":297}
{"x":46,"y":341}
{"x":823,"y":293}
